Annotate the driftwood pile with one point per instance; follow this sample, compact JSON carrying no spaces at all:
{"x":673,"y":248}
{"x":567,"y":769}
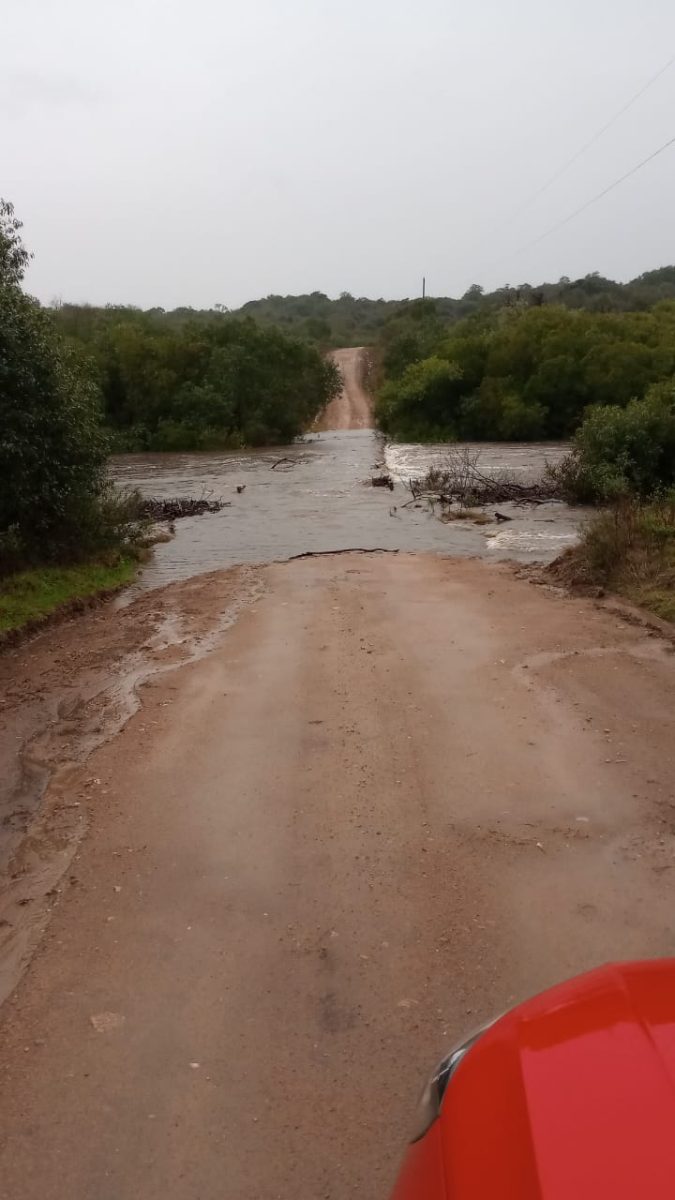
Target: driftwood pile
{"x":155,"y":509}
{"x":462,"y":481}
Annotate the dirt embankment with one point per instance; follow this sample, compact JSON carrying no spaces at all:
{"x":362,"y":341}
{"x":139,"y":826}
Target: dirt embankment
{"x":353,"y":408}
{"x":396,"y":795}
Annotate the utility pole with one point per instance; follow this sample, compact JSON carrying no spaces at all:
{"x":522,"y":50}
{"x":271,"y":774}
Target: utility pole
{"x":424,"y":287}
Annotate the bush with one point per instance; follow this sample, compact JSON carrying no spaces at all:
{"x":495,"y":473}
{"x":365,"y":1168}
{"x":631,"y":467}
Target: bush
{"x":630,"y":549}
{"x":52,"y":448}
{"x":496,"y":411}
{"x":423,"y":404}
{"x":527,"y":372}
{"x":620,"y":452}
{"x":198,"y":386}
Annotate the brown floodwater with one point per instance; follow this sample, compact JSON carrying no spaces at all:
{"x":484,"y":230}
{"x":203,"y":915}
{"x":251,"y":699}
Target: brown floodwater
{"x":321,"y":499}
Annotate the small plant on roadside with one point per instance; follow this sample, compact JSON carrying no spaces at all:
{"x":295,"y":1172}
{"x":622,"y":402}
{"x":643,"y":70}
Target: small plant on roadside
{"x":629,"y":548}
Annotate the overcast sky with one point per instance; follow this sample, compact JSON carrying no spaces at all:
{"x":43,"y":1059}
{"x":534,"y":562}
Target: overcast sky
{"x":205,"y":151}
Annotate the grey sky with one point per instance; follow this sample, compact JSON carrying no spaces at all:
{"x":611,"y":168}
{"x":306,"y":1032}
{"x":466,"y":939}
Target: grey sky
{"x":200,"y":151}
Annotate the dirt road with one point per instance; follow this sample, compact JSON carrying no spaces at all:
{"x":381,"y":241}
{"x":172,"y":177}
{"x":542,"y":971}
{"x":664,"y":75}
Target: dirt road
{"x":352,"y":409}
{"x":398,"y":794}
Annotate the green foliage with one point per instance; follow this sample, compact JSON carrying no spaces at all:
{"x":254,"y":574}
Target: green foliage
{"x":620,"y":452}
{"x":52,"y":448}
{"x":198,"y":385}
{"x":409,"y":336}
{"x":357,"y":321}
{"x":524,"y":372}
{"x":629,"y":548}
{"x":423,"y":402}
{"x":14,"y":257}
{"x":531,"y":360}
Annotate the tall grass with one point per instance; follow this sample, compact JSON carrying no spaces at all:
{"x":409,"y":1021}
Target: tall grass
{"x":629,"y":549}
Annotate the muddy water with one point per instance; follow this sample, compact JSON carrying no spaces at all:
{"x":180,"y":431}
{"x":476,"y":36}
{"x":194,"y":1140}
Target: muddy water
{"x":321,"y":499}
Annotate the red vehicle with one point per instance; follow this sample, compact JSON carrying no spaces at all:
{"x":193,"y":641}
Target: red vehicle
{"x":570,"y":1096}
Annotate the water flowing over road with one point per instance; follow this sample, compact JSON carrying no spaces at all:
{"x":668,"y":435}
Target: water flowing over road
{"x":316,"y":495}
{"x":278,"y":835}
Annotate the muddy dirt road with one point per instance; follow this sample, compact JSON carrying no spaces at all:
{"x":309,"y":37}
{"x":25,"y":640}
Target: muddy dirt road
{"x":396,"y":795}
{"x":353,"y":408}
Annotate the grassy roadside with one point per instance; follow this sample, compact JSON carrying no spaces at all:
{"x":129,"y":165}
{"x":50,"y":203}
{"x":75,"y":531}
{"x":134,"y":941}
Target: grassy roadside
{"x":630,"y":550}
{"x":30,"y":596}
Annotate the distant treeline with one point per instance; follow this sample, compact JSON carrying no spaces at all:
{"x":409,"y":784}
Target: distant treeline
{"x":517,"y":372}
{"x":357,"y":321}
{"x":351,"y":321}
{"x":203,"y":382}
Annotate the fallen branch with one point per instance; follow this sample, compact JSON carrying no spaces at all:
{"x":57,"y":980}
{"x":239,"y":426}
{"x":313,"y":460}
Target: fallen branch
{"x":348,"y":550}
{"x":461,"y":480}
{"x":156,"y":509}
{"x":280,"y":461}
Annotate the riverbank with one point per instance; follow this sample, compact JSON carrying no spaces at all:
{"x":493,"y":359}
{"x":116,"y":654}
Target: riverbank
{"x":316,"y":838}
{"x":630,"y":550}
{"x":28,"y":599}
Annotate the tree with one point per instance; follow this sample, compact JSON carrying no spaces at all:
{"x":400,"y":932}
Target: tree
{"x":14,"y":257}
{"x":52,"y":449}
{"x":627,"y":451}
{"x":424,"y":403}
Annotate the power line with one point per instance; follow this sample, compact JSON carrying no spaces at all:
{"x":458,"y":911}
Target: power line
{"x":587,"y":145}
{"x":596,"y":136}
{"x":594,"y":199}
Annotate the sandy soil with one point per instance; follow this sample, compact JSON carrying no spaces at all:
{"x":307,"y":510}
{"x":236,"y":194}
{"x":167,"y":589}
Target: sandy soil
{"x":65,"y":692}
{"x":353,"y":408}
{"x":396,"y":795}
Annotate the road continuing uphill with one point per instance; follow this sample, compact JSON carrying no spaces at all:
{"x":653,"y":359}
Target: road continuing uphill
{"x":398,"y":794}
{"x":353,"y":408}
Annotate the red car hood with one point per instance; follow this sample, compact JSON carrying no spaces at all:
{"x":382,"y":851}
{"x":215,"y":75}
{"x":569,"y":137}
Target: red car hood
{"x":571,"y":1096}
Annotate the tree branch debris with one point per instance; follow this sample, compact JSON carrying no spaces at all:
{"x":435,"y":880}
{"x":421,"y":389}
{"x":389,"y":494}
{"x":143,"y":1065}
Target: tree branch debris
{"x":461,"y":480}
{"x":156,"y":509}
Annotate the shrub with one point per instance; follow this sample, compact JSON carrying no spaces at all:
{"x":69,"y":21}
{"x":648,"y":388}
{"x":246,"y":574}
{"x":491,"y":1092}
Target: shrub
{"x":531,"y":372}
{"x":620,"y":452}
{"x":629,"y":548}
{"x":423,"y":403}
{"x":52,"y":448}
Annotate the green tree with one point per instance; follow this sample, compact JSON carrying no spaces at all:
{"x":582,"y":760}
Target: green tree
{"x":52,"y":449}
{"x":625,"y":451}
{"x":422,"y":405}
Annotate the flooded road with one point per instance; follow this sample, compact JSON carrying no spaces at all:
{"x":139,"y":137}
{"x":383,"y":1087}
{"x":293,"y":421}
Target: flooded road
{"x":305,"y":818}
{"x":320,"y":498}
